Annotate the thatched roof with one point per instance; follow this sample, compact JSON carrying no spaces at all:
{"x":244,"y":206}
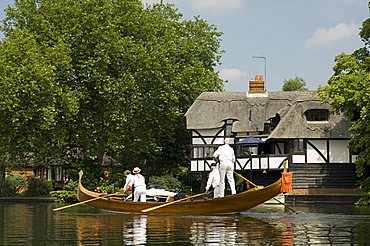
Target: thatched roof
{"x":211,"y":109}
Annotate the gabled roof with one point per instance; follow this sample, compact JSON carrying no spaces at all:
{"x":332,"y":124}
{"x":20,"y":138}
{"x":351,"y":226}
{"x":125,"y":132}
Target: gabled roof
{"x":211,"y":109}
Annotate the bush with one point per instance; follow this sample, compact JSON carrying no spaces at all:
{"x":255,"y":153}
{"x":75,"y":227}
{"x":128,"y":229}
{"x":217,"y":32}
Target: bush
{"x":38,"y":187}
{"x":168,"y":182}
{"x":365,"y":198}
{"x":19,"y":182}
{"x":6,"y":188}
{"x":69,"y":195}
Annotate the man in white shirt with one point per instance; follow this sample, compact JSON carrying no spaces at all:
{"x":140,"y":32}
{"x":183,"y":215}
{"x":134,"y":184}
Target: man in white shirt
{"x":129,"y":180}
{"x":214,"y":181}
{"x":138,"y":182}
{"x":225,"y":154}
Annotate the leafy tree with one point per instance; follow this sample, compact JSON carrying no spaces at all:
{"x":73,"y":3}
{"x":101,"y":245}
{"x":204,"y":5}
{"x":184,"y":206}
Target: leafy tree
{"x":102,"y":77}
{"x":348,"y":90}
{"x":295,"y":84}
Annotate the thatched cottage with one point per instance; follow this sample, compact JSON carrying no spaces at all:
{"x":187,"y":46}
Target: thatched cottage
{"x":268,"y":127}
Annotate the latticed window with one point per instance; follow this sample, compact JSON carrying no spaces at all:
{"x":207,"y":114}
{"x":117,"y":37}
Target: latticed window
{"x":203,"y":151}
{"x":317,"y":115}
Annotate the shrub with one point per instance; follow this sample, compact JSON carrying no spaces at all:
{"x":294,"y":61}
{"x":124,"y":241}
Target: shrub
{"x":19,"y":182}
{"x":168,"y":182}
{"x":69,"y":195}
{"x":6,"y":188}
{"x":365,"y":198}
{"x":38,"y":187}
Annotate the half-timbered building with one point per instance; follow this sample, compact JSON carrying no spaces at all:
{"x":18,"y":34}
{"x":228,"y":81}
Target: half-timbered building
{"x":267,"y":128}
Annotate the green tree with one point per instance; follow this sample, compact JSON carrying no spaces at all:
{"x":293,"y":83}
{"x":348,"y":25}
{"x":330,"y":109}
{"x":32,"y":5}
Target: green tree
{"x":104,"y":77}
{"x":348,"y":91}
{"x":295,"y":84}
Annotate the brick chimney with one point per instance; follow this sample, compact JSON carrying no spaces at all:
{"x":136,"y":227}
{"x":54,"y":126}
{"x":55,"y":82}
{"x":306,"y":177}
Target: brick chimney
{"x":257,"y":85}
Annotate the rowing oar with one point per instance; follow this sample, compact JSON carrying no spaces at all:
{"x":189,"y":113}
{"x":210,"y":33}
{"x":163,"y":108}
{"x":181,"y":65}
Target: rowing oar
{"x":86,"y":201}
{"x":258,"y":187}
{"x":170,"y":203}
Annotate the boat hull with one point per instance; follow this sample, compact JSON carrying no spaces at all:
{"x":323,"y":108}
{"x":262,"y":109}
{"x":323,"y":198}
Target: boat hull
{"x":225,"y":205}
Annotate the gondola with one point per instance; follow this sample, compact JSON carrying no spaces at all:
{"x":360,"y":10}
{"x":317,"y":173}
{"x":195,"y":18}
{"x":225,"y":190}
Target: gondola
{"x":224,"y":205}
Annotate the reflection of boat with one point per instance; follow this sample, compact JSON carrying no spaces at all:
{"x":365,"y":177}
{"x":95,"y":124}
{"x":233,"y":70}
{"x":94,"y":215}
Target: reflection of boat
{"x":228,"y":204}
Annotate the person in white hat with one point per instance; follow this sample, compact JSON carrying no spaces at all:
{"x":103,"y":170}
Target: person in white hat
{"x":225,"y":154}
{"x":214,"y":181}
{"x":138,"y":182}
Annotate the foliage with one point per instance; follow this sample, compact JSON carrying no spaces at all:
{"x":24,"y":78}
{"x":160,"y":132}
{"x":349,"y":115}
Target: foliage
{"x":168,"y":182}
{"x":69,"y":195}
{"x":19,"y":182}
{"x":365,"y":187}
{"x":6,"y":188}
{"x":38,"y":187}
{"x":108,"y":78}
{"x":348,"y":91}
{"x":295,"y":84}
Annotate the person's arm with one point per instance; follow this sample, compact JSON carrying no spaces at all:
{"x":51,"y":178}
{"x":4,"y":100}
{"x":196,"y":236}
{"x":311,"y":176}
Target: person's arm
{"x":216,"y":154}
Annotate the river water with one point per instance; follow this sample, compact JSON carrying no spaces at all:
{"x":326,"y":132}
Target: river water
{"x":37,"y":224}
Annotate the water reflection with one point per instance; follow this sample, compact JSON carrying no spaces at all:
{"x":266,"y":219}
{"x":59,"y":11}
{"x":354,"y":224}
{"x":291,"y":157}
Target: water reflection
{"x":36,"y":224}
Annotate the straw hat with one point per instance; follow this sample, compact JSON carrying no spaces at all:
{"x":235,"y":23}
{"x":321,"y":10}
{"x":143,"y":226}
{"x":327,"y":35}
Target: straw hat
{"x":136,"y":170}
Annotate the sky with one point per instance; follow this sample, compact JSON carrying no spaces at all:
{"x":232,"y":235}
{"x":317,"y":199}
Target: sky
{"x":280,"y":39}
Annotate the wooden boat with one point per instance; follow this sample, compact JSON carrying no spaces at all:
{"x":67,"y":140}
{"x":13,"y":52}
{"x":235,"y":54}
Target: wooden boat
{"x":224,"y":205}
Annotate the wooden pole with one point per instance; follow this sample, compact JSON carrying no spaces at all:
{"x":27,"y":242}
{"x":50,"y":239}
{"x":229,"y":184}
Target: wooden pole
{"x":246,"y":179}
{"x":86,"y":201}
{"x":170,"y":203}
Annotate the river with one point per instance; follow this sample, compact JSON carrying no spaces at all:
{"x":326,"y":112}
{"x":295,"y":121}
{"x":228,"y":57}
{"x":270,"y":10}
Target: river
{"x":36,"y":224}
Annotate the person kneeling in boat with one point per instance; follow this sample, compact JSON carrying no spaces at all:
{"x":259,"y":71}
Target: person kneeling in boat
{"x":138,"y":182}
{"x":214,"y":181}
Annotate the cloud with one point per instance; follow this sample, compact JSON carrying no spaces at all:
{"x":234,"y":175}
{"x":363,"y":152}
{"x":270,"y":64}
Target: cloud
{"x":232,"y":74}
{"x":216,"y":6}
{"x":326,"y":37}
{"x":206,"y":6}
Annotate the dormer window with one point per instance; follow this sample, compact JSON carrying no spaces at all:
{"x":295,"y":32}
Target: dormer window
{"x":317,"y":115}
{"x":228,"y":127}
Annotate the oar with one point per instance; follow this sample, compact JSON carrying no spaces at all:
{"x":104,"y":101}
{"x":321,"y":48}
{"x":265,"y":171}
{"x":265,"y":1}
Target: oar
{"x":273,"y":197}
{"x":86,"y":201}
{"x":170,"y":203}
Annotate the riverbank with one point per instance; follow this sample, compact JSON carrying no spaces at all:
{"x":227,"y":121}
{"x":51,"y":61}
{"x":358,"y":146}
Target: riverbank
{"x":28,"y":199}
{"x":317,"y":196}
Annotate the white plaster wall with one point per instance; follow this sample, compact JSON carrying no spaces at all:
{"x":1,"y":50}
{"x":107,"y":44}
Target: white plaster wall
{"x":298,"y":159}
{"x":312,"y":155}
{"x":338,"y":151}
{"x":208,"y":135}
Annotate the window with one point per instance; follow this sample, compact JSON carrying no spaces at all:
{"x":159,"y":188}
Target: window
{"x":203,"y":152}
{"x":298,"y":146}
{"x":247,"y":150}
{"x":317,"y":115}
{"x":228,"y":127}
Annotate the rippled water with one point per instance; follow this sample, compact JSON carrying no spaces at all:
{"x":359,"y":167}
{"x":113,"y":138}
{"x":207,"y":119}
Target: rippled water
{"x":37,"y":224}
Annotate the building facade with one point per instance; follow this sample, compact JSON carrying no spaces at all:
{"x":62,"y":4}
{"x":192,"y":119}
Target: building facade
{"x":267,"y":128}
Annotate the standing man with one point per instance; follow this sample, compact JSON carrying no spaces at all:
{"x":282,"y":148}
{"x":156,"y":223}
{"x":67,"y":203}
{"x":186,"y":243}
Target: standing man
{"x":214,"y":181}
{"x":225,"y":154}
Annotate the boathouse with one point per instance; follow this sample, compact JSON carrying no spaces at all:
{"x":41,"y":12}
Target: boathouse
{"x":267,"y":128}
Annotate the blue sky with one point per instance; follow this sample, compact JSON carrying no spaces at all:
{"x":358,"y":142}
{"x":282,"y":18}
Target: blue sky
{"x":297,"y":37}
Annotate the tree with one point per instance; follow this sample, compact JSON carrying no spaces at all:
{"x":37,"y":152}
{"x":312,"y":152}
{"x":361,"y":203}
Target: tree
{"x":295,"y":84}
{"x":348,"y":91}
{"x":104,"y":77}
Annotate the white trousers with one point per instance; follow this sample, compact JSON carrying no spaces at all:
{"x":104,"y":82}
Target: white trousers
{"x":226,"y":169}
{"x":140,"y":192}
{"x":217,"y":191}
